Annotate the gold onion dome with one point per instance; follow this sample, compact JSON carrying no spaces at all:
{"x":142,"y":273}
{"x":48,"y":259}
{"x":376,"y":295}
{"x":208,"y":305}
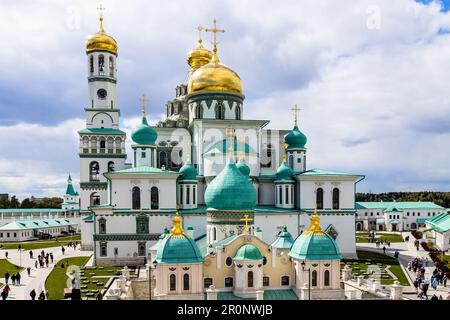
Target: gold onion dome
{"x":199,"y":56}
{"x":101,"y":41}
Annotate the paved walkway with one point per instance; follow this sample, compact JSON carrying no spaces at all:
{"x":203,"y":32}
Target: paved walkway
{"x":407,"y":252}
{"x":38,"y":276}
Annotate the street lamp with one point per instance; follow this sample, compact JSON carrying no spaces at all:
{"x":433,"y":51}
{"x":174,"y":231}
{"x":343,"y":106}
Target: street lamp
{"x":150,"y":279}
{"x":309,"y":278}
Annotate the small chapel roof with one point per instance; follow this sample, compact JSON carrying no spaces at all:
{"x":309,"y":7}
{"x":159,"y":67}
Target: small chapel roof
{"x":284,"y":240}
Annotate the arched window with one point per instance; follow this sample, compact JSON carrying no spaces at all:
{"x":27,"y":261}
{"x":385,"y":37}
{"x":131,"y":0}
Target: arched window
{"x":101,"y":64}
{"x":214,"y":234}
{"x":220,"y":111}
{"x":94,"y":169}
{"x":291,"y":161}
{"x":173,"y":282}
{"x":287,"y":194}
{"x":154,"y":195}
{"x":238,"y":113}
{"x":326,"y":278}
{"x":250,"y":279}
{"x":199,"y":112}
{"x":181,"y":194}
{"x":280,"y":195}
{"x":193,"y":194}
{"x":95,"y":199}
{"x":163,"y":160}
{"x":111,"y":166}
{"x":102,"y":144}
{"x":186,"y":282}
{"x":335,"y":198}
{"x":91,"y":65}
{"x":136,"y":196}
{"x":228,"y":282}
{"x":207,"y":282}
{"x":102,"y":225}
{"x":314,"y":278}
{"x":285,"y":280}
{"x":319,"y":198}
{"x":111,"y":66}
{"x":188,"y":194}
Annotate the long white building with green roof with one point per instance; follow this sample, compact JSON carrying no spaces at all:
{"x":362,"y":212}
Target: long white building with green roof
{"x":395,"y":215}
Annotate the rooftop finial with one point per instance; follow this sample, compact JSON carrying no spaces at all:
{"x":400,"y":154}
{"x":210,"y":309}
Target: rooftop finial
{"x":230,"y":136}
{"x":247,"y":220}
{"x":314,"y":227}
{"x":284,"y":145}
{"x":296,"y":109}
{"x":200,"y":29}
{"x":143,"y":100}
{"x":215,"y":30}
{"x":177,"y":229}
{"x":100,"y":9}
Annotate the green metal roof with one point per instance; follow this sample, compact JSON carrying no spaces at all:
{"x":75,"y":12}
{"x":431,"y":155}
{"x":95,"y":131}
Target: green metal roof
{"x":315,"y":246}
{"x":248,"y":252}
{"x":284,"y":240}
{"x":222,"y":147}
{"x":440,"y":222}
{"x":188,"y":171}
{"x":230,"y":190}
{"x":102,"y":131}
{"x":36,"y":224}
{"x":284,"y":172}
{"x":144,"y":134}
{"x":243,"y":168}
{"x":320,"y":172}
{"x":33,"y":210}
{"x":143,"y":169}
{"x":295,"y":138}
{"x":178,"y":249}
{"x":400,"y":205}
{"x":70,"y":190}
{"x":282,"y":294}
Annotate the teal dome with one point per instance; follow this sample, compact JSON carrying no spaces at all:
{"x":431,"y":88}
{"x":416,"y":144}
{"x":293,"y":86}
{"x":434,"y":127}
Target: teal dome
{"x":284,"y":240}
{"x":315,"y":244}
{"x":248,"y":252}
{"x":188,"y":171}
{"x":243,"y":168}
{"x":177,"y":249}
{"x":230,"y":190}
{"x":284,"y":172}
{"x":295,"y":138}
{"x":144,"y":133}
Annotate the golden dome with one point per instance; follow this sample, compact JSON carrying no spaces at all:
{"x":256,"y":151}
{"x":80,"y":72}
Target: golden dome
{"x":198,"y":57}
{"x":101,"y":41}
{"x":215,"y":76}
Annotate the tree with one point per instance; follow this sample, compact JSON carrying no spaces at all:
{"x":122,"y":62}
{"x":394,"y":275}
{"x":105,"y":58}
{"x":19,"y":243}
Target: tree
{"x":14,"y":202}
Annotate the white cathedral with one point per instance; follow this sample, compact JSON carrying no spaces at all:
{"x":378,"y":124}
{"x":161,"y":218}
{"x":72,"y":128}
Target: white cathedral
{"x":226,"y":175}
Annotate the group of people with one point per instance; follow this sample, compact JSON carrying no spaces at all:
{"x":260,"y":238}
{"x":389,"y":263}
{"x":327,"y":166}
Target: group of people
{"x":42,"y":259}
{"x":383,"y":243}
{"x":42,"y":296}
{"x":417,"y":265}
{"x":15,"y":280}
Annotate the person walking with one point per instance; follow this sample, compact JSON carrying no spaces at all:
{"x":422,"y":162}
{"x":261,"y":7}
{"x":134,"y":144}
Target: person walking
{"x":29,"y":271}
{"x":42,"y":295}
{"x":31,"y":254}
{"x":384,"y":249}
{"x":51,"y":257}
{"x":13,"y":279}
{"x":35,"y":264}
{"x":18,"y":276}
{"x":4,"y":294}
{"x":33,"y":294}
{"x":6,"y":254}
{"x":63,"y":250}
{"x":444,"y":280}
{"x":6,"y":277}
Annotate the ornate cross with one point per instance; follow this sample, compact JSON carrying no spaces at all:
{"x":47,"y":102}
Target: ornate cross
{"x":100,"y":9}
{"x":296,"y":109}
{"x":200,"y":29}
{"x":215,"y":30}
{"x":246,"y":219}
{"x":143,"y":102}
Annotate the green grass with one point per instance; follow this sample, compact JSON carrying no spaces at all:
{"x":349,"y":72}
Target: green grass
{"x":366,"y":257}
{"x":6,"y":266}
{"x":56,"y":281}
{"x":41,"y":244}
{"x":102,"y":274}
{"x":363,"y":237}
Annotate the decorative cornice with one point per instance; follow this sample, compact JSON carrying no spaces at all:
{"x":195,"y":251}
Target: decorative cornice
{"x":209,"y":96}
{"x":101,"y":155}
{"x":93,"y":185}
{"x":126,"y":237}
{"x":106,"y":79}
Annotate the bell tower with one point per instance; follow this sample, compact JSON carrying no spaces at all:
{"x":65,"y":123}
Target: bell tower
{"x":102,"y":143}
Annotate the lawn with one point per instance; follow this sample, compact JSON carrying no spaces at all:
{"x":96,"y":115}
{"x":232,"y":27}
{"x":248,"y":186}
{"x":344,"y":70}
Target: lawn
{"x":6,"y":266}
{"x":377,"y":260}
{"x":41,"y":244}
{"x":57,"y":280}
{"x":363,"y":237}
{"x":93,"y":279}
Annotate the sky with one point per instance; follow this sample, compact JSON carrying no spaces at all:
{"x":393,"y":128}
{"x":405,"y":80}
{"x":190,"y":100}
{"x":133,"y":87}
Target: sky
{"x":371,"y":77}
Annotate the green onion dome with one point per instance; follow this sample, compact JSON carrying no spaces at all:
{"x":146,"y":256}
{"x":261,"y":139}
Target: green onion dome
{"x":314,"y":244}
{"x":284,"y":172}
{"x":243,"y":168}
{"x":295,"y":138}
{"x":144,"y":134}
{"x":284,"y":240}
{"x":188,"y":171}
{"x":230,"y":190}
{"x":248,"y":252}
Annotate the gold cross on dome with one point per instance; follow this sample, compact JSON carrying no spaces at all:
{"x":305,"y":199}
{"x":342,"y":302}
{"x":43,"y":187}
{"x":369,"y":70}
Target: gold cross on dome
{"x":246,"y":219}
{"x":215,"y":31}
{"x":296,"y":109}
{"x":200,"y":29}
{"x":143,"y":100}
{"x":100,"y":9}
